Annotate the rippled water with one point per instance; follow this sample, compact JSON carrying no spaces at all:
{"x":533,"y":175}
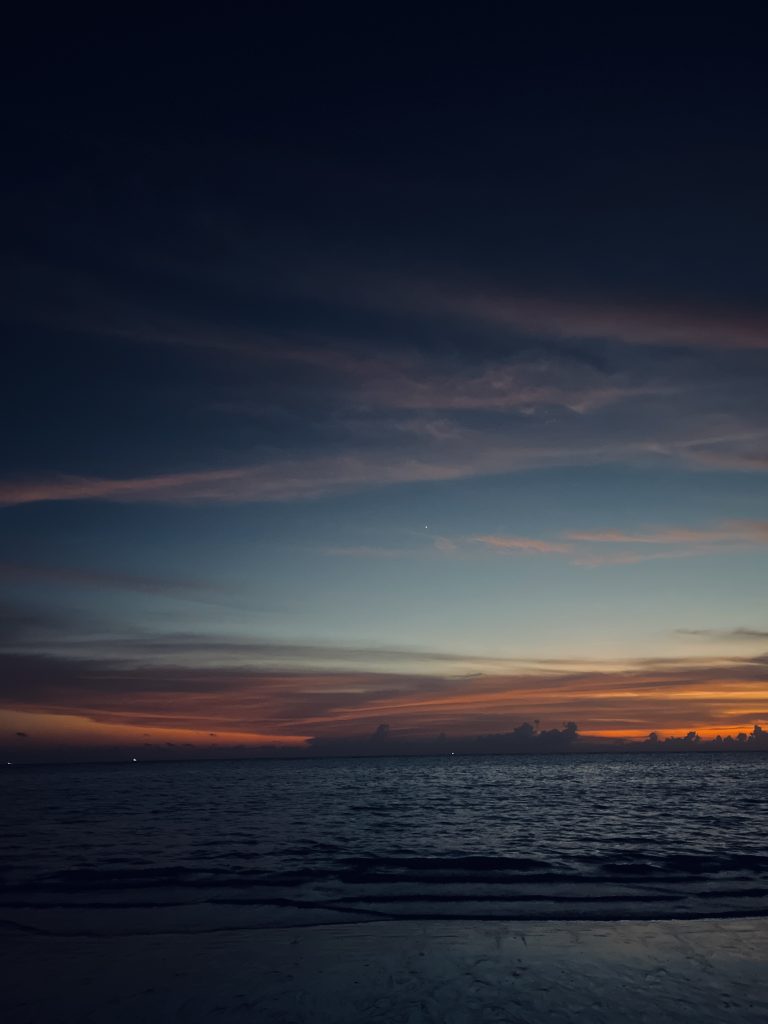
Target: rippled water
{"x":246,"y":843}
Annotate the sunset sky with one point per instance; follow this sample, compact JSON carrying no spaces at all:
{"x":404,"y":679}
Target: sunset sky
{"x":410,"y":376}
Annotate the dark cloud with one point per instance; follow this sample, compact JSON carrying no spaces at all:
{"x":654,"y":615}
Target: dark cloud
{"x":81,"y":577}
{"x":757,"y":739}
{"x":526,"y":738}
{"x":72,"y":637}
{"x":739,"y":633}
{"x":19,"y":623}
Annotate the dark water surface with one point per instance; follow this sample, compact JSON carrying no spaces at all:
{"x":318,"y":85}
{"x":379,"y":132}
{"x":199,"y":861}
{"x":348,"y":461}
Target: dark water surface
{"x":178,"y":846}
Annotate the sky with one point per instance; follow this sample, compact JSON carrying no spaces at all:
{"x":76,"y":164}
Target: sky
{"x":371,"y":380}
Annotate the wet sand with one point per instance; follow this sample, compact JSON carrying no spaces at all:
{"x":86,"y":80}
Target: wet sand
{"x":451,"y":972}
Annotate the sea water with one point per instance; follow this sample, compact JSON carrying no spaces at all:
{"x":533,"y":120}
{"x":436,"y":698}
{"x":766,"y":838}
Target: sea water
{"x":175,"y":846}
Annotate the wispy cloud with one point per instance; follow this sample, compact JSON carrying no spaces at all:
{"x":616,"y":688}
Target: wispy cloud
{"x":604,"y":317}
{"x":466,"y":453}
{"x":594,"y":559}
{"x":398,"y":379}
{"x":439,"y":410}
{"x":310,"y":478}
{"x":89,"y":304}
{"x":735,"y":532}
{"x":413,"y":382}
{"x":367,"y":551}
{"x":583,"y":548}
{"x":740,"y":633}
{"x":277,"y":481}
{"x":632,"y":323}
{"x":69,"y":576}
{"x":541,"y":547}
{"x":749,"y":461}
{"x":150,"y":488}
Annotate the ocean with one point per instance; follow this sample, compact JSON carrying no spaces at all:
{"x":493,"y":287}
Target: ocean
{"x":194,"y":846}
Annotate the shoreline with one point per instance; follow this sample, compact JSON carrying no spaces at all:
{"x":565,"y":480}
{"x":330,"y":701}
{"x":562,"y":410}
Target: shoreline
{"x":18,"y":920}
{"x":457,"y":972}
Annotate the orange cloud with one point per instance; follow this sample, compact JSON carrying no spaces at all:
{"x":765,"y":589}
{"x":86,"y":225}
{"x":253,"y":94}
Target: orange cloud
{"x":260,"y":707}
{"x":150,"y":488}
{"x":737,"y":532}
{"x":278,"y":481}
{"x":672,"y":542}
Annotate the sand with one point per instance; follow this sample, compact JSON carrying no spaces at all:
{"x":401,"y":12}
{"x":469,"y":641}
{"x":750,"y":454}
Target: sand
{"x":450,"y":972}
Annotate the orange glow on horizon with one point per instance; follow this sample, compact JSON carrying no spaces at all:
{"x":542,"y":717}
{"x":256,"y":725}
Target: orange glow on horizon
{"x":78,"y":730}
{"x":288,"y":710}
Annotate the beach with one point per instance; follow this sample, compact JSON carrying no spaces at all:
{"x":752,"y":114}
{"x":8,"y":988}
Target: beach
{"x":452,"y":972}
{"x":415,"y":890}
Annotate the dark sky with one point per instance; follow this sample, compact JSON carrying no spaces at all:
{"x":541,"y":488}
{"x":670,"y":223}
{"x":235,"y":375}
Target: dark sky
{"x":383,"y":368}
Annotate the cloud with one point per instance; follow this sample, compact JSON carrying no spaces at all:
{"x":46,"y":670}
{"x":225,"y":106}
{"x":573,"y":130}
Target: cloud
{"x":551,"y":312}
{"x":250,"y":701}
{"x":154,"y":488}
{"x":755,"y":461}
{"x":311,"y":478}
{"x":739,"y":633}
{"x":593,"y":560}
{"x":18,"y":623}
{"x":643,"y":324}
{"x":541,"y":547}
{"x":355,"y":414}
{"x":277,"y":481}
{"x":421,"y":382}
{"x":397,"y":379}
{"x":525,"y":738}
{"x":415,"y":382}
{"x":637,"y":323}
{"x":59,"y":638}
{"x":673,"y":542}
{"x":68,"y":576}
{"x":85,"y":304}
{"x":367,"y":551}
{"x":736,"y":532}
{"x":529,"y":310}
{"x":461,"y":452}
